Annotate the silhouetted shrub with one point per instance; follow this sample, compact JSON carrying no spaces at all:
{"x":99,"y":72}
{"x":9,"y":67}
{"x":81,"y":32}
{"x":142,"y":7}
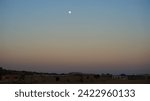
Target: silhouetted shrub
{"x":57,"y":78}
{"x":109,"y":75}
{"x":96,"y":76}
{"x":122,"y":74}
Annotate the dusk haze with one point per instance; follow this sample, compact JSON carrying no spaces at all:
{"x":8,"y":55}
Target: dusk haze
{"x":88,"y":36}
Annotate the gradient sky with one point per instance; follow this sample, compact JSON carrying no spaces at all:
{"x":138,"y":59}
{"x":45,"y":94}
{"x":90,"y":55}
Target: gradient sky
{"x":99,"y":36}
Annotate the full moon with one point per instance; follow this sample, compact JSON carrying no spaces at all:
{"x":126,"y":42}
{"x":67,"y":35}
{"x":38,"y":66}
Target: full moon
{"x":69,"y":12}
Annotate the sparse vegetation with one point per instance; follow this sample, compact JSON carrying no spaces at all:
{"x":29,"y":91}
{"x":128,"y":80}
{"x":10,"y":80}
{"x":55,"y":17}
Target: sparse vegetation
{"x":12,"y":76}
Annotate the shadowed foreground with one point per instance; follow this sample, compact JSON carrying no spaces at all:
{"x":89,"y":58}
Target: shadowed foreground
{"x":25,"y":77}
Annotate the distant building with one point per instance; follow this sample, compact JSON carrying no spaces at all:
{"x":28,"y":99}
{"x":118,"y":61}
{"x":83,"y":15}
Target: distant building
{"x":120,"y":77}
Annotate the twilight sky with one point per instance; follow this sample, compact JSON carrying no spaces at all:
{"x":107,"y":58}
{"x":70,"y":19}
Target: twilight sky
{"x":99,"y":36}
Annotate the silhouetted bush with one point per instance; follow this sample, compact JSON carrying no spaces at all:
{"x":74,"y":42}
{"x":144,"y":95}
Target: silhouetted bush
{"x":109,"y":75}
{"x":96,"y":76}
{"x":122,"y":74}
{"x":57,"y":78}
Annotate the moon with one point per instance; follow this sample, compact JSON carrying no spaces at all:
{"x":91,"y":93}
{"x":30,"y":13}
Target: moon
{"x":69,"y":12}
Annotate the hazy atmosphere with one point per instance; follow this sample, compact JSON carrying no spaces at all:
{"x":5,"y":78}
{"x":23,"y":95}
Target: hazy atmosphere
{"x":89,"y":36}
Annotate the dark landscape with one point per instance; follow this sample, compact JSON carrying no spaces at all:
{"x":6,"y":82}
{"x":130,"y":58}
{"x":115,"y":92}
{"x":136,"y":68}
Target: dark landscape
{"x":28,"y":77}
